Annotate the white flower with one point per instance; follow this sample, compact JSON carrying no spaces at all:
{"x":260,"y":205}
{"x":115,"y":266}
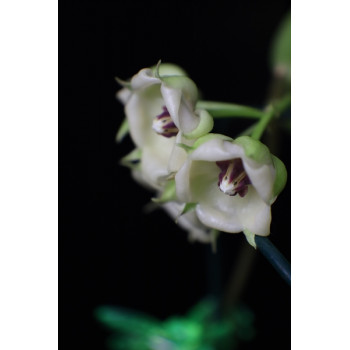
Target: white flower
{"x":159,"y":106}
{"x":233,"y":184}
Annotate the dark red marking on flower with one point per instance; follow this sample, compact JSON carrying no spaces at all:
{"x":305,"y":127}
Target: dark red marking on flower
{"x":164,"y":125}
{"x":232,"y":178}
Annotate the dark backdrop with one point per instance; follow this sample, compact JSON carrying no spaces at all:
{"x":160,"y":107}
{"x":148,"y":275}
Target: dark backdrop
{"x":111,"y":253}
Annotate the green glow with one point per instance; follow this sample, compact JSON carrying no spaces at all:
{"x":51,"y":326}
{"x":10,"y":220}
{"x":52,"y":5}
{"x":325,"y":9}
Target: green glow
{"x":200,"y":329}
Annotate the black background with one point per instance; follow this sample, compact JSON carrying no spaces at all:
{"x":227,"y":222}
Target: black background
{"x":110,"y":252}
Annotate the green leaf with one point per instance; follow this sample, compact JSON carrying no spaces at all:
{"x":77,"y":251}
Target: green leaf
{"x":123,"y":130}
{"x":281,"y":175}
{"x":126,"y":321}
{"x":223,"y":109}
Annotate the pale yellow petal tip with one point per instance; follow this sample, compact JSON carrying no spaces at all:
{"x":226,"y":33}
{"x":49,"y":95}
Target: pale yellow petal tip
{"x":250,"y":236}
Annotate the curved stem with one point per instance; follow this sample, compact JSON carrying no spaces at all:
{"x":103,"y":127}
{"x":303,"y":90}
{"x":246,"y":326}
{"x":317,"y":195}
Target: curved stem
{"x":229,"y":110}
{"x":273,"y":110}
{"x":263,"y":123}
{"x":274,"y":256}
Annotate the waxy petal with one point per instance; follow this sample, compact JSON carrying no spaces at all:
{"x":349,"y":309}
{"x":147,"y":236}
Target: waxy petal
{"x":197,"y":182}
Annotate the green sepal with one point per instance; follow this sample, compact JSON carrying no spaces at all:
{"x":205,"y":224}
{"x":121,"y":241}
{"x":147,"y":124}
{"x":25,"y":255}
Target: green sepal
{"x":168,"y":194}
{"x":224,"y":109}
{"x":250,"y":236}
{"x":188,"y":207}
{"x":132,"y":159}
{"x":254,"y":149}
{"x":187,"y":148}
{"x":281,"y":176}
{"x":208,"y":137}
{"x":123,"y":83}
{"x":122,"y":131}
{"x":187,"y":87}
{"x":205,"y":125}
{"x":167,"y":69}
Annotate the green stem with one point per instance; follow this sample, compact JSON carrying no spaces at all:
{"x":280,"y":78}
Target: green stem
{"x":223,"y":109}
{"x":264,"y":121}
{"x":273,"y":110}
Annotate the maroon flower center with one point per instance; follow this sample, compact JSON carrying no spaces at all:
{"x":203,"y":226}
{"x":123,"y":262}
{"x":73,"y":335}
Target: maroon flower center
{"x":232,"y":178}
{"x":164,"y":125}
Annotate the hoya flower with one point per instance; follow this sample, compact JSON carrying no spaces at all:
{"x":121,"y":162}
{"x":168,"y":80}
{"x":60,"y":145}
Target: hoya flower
{"x":159,"y":107}
{"x":233,"y":182}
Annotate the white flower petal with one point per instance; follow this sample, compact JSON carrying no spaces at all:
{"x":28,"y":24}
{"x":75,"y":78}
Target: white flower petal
{"x":142,"y":107}
{"x":178,"y":155}
{"x":188,"y":120}
{"x":261,"y":176}
{"x":123,"y":95}
{"x":217,"y":219}
{"x":182,"y":180}
{"x":154,"y":162}
{"x":172,"y":100}
{"x":143,"y":79}
{"x":216,"y":150}
{"x":180,"y":110}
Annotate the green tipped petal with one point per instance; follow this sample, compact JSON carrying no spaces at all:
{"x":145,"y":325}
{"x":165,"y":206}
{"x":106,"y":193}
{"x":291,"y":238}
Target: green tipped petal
{"x":184,"y":84}
{"x":281,"y":175}
{"x":168,"y":194}
{"x":250,"y":236}
{"x":167,"y":69}
{"x":123,"y":83}
{"x":254,"y":149}
{"x":187,"y":148}
{"x":123,"y":130}
{"x":205,"y":125}
{"x":208,"y":137}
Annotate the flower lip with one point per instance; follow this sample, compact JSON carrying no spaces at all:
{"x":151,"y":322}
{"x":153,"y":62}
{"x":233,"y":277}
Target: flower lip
{"x":232,"y":178}
{"x":163,"y":124}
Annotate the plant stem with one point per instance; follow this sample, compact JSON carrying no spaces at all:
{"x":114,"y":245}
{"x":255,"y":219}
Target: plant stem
{"x":272,"y":110}
{"x":274,"y":256}
{"x":223,"y":109}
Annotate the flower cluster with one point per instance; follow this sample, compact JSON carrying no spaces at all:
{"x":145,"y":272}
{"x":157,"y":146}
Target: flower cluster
{"x":207,"y":182}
